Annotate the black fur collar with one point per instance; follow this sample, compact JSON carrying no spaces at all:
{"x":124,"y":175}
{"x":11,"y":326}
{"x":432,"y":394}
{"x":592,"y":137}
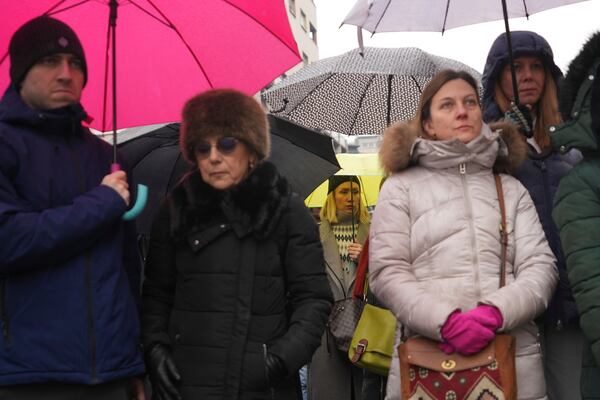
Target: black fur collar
{"x":254,"y":206}
{"x":579,"y":69}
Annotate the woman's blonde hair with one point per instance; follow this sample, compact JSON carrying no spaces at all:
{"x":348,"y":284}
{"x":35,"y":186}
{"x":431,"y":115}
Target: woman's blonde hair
{"x":329,"y":210}
{"x":546,"y":115}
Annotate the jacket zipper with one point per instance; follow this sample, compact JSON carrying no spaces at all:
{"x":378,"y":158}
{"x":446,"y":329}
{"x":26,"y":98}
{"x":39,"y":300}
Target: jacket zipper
{"x":88,"y":279}
{"x":5,"y":323}
{"x":462,"y":169}
{"x":271,"y":388}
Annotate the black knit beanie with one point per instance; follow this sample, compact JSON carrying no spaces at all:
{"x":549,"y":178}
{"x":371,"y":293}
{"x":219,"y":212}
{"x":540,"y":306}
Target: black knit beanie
{"x":38,"y":38}
{"x":337,"y":180}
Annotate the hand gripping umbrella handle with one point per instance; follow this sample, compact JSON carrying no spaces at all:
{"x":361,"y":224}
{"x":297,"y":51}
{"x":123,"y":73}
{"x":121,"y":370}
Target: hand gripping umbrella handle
{"x":140,"y":201}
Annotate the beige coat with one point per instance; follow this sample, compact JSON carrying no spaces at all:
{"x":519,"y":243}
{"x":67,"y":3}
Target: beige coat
{"x":435,"y":242}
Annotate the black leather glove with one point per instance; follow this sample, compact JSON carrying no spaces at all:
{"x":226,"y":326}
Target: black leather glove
{"x":520,"y":115}
{"x":162,"y":372}
{"x":275,"y":369}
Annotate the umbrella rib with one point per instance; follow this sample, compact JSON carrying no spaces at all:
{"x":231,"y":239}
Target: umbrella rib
{"x":525,"y":7}
{"x":445,"y":16}
{"x":362,"y":98}
{"x":294,"y":51}
{"x":172,"y":26}
{"x":151,"y":15}
{"x":331,"y":74}
{"x":53,"y":10}
{"x":381,"y":16}
{"x":416,"y":84}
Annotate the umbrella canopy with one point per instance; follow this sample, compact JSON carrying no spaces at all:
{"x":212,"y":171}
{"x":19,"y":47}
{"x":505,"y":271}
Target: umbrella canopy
{"x":166,"y":51}
{"x":303,"y":156}
{"x":439,"y":15}
{"x":368,"y":170}
{"x":354,"y":94}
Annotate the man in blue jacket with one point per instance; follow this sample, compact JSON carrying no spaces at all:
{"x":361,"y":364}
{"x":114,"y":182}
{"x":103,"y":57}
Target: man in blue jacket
{"x":69,"y":270}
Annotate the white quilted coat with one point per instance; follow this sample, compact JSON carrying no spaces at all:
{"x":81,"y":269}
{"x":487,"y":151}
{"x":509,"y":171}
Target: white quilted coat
{"x":435,"y":242}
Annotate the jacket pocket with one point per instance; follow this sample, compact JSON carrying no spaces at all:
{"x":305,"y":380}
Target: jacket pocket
{"x":3,"y":313}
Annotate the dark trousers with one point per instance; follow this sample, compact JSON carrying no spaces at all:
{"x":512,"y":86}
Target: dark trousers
{"x":117,"y":390}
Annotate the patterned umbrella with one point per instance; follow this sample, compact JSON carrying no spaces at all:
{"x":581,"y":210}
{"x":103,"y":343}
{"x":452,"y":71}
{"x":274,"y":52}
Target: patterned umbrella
{"x":354,"y":94}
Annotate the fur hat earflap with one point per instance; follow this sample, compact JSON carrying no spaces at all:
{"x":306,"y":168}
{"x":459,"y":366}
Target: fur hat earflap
{"x":224,"y":112}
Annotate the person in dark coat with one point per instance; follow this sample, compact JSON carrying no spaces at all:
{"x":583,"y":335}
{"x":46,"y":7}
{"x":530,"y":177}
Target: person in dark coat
{"x":537,"y":78}
{"x":577,"y":204}
{"x":69,"y":269}
{"x":235,"y":297}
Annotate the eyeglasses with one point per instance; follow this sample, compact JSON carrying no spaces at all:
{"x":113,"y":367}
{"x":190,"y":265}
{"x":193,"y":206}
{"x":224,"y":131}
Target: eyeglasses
{"x":225,"y":145}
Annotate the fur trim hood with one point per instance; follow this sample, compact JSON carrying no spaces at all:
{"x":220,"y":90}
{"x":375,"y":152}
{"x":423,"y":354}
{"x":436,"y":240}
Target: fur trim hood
{"x":255,"y":206}
{"x":579,"y":70}
{"x":499,"y":146}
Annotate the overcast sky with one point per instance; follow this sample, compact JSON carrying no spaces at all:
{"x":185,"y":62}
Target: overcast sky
{"x":566,"y":29}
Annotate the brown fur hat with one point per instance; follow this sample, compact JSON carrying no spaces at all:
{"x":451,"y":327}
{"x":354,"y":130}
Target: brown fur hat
{"x":224,"y":112}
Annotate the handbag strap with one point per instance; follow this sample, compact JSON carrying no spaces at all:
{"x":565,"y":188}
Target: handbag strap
{"x":503,"y":231}
{"x":360,"y":281}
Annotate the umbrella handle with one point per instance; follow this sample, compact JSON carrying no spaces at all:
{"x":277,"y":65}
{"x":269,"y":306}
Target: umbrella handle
{"x":140,"y":203}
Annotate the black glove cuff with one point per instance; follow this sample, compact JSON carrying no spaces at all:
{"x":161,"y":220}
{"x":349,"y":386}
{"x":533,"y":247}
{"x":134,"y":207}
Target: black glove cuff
{"x":275,"y":369}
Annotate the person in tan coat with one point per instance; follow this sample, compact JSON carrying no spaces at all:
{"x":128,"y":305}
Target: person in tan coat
{"x":435,"y":239}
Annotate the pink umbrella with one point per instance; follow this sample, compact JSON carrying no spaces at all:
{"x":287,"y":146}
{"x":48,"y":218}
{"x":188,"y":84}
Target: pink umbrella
{"x":165,"y":52}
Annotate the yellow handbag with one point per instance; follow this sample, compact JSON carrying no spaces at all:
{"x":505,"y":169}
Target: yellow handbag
{"x":372,"y":343}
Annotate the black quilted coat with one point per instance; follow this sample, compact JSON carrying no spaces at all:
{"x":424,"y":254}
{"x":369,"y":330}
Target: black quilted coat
{"x":230,"y":275}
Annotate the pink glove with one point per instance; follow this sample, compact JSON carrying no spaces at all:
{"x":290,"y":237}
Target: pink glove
{"x":461,"y":332}
{"x":488,"y":316}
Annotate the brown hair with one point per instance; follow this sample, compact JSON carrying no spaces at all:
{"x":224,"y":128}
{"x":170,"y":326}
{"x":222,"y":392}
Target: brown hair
{"x":435,"y":84}
{"x":545,"y":112}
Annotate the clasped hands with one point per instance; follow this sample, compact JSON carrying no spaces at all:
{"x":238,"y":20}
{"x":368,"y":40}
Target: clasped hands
{"x":469,"y":332}
{"x":354,"y":250}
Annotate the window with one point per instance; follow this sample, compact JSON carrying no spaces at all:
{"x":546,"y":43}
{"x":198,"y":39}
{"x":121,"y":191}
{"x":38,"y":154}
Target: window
{"x":292,"y":7}
{"x":303,"y":20}
{"x":312,"y":33}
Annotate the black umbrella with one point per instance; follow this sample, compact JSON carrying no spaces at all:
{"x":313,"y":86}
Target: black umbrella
{"x":305,"y":157}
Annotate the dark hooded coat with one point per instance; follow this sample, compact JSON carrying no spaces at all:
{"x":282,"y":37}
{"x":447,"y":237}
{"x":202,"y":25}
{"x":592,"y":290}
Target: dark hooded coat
{"x":233,"y":274}
{"x":69,"y":269}
{"x":540,"y":173}
{"x":577,"y":206}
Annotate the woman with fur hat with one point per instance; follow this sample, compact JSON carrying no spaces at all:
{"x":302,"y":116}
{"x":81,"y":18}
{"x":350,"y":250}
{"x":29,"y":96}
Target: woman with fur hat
{"x":343,"y":230}
{"x":537,"y":79}
{"x":435,"y":249}
{"x":235,"y":298}
{"x":577,"y":205}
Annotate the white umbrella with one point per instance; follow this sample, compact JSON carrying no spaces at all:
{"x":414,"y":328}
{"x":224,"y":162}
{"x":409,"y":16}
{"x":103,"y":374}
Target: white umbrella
{"x":439,"y":15}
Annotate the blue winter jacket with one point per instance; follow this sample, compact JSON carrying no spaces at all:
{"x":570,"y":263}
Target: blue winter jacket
{"x":69,"y":270}
{"x":540,"y":173}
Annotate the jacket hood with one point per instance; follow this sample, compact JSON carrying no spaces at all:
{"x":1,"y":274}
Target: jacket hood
{"x":524,"y":43}
{"x":499,"y":146}
{"x":582,"y":66}
{"x":579,"y":101}
{"x":253,"y":206}
{"x":13,"y":110}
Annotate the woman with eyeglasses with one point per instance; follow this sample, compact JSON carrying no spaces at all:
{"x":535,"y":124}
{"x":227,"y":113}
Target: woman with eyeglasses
{"x":235,"y":297}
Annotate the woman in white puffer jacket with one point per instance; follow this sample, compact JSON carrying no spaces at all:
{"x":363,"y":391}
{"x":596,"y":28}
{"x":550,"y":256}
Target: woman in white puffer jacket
{"x":435,"y":239}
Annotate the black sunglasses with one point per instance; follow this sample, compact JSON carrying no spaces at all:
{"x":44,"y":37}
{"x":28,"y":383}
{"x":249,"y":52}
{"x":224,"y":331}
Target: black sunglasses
{"x":225,"y":145}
